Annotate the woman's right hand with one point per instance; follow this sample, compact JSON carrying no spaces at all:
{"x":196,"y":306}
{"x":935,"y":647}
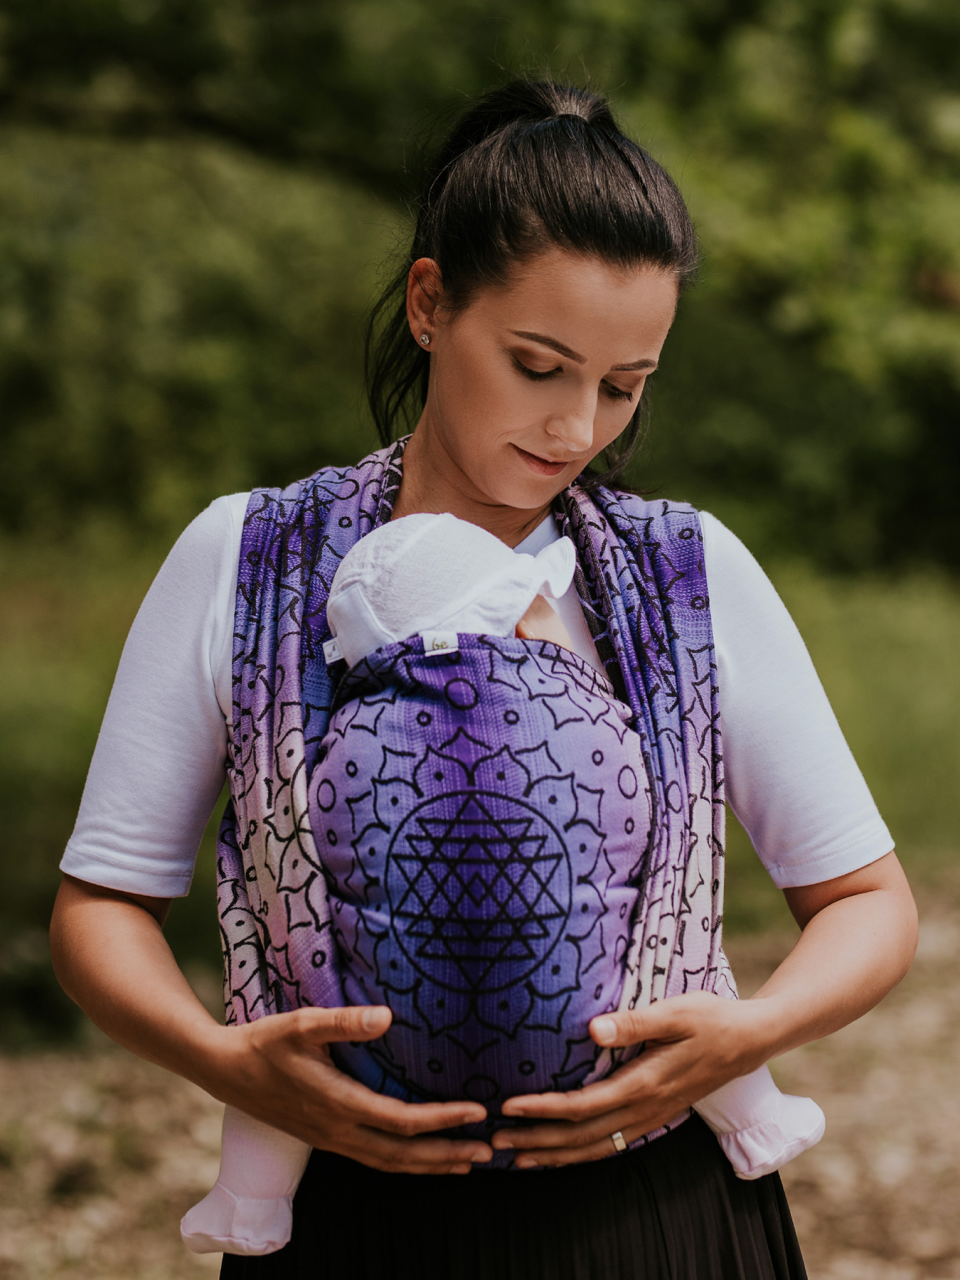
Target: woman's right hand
{"x":279,"y":1070}
{"x":110,"y":954}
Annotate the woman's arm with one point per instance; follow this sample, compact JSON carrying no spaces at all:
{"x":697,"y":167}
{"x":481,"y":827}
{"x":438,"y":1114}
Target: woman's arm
{"x":111,"y":957}
{"x":859,"y":935}
{"x":858,"y":940}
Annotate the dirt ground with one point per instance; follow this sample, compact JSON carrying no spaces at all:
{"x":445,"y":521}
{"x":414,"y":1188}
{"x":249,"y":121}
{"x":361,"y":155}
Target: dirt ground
{"x":879,"y":1198}
{"x":100,"y":1154}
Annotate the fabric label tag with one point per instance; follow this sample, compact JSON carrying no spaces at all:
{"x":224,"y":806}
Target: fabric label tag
{"x":440,"y":641}
{"x":331,"y":651}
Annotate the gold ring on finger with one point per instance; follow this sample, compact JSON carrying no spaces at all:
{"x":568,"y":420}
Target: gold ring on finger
{"x":619,"y":1141}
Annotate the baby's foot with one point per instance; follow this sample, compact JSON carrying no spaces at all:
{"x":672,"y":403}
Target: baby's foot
{"x":226,"y":1223}
{"x":796,"y":1125}
{"x":758,"y":1127}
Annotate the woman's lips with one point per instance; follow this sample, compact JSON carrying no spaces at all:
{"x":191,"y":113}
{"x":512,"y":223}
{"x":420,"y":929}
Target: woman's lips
{"x":542,"y":466}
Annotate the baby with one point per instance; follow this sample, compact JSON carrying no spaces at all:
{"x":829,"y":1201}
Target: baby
{"x":481,"y":805}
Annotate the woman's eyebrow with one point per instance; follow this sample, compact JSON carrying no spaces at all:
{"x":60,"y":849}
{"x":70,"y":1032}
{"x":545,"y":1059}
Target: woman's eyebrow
{"x":637,"y":364}
{"x":562,"y":350}
{"x":550,"y":342}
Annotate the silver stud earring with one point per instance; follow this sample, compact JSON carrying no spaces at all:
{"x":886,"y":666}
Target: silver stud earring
{"x":425,"y":339}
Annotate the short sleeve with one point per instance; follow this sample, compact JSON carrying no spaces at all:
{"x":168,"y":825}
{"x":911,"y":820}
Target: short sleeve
{"x":160,"y":757}
{"x":790,"y":777}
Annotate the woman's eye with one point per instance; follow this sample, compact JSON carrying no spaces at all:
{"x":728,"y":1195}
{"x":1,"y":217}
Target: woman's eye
{"x":532,"y":373}
{"x":616,"y":393}
{"x":609,"y":390}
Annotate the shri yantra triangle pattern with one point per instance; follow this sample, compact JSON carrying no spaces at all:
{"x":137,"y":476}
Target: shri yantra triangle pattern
{"x":493,"y":931}
{"x":642,"y":582}
{"x":478,"y":892}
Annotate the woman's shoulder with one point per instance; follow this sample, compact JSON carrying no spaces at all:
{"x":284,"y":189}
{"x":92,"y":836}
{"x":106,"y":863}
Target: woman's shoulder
{"x":202,"y":563}
{"x":656,"y":519}
{"x":753,"y":631}
{"x":637,"y":506}
{"x":211,"y":541}
{"x":733,"y":571}
{"x":218,"y":522}
{"x":379,"y":470}
{"x":695,"y":545}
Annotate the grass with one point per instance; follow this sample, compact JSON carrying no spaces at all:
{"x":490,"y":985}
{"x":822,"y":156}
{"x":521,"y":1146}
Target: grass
{"x":884,"y":650}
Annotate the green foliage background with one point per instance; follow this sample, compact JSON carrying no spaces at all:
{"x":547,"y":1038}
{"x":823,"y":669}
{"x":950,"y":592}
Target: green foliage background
{"x":196,"y":197}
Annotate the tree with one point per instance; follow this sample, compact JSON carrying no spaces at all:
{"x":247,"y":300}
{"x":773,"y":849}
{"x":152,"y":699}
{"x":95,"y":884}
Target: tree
{"x":811,"y":392}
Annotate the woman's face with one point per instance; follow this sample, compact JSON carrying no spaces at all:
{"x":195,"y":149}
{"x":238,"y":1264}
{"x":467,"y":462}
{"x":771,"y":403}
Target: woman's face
{"x":534,"y":378}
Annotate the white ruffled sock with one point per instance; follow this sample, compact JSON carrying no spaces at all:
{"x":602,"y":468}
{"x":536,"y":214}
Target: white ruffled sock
{"x":250,"y":1209}
{"x":760,"y":1128}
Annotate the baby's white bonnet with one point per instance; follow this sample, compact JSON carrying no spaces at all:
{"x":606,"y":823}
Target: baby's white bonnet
{"x":427,"y":573}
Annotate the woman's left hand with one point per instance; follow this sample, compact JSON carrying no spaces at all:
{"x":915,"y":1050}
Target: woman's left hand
{"x":693,"y":1044}
{"x":859,"y":934}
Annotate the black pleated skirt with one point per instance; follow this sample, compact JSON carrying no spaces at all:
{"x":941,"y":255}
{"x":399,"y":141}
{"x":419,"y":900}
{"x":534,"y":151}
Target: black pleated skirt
{"x":671,"y":1210}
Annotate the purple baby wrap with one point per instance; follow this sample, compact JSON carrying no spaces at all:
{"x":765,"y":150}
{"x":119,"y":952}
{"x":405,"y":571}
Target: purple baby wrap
{"x":486,"y":816}
{"x":284,"y":887}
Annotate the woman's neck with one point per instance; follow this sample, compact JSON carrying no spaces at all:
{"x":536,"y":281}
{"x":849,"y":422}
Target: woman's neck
{"x":433,"y":483}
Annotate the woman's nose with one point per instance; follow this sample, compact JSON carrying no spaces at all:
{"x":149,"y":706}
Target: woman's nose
{"x":573,"y":429}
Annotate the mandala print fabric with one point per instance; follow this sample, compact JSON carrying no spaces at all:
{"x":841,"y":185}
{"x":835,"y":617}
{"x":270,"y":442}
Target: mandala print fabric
{"x":485,"y":818}
{"x":300,"y":922}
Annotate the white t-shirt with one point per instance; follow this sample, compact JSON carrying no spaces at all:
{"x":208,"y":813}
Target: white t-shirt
{"x":159,"y":764}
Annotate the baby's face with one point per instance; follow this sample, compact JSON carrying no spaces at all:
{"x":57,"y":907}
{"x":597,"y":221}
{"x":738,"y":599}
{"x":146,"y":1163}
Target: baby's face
{"x":541,"y":622}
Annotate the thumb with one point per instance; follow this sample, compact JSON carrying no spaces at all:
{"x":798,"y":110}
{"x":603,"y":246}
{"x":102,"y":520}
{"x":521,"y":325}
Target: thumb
{"x":350,"y":1022}
{"x":656,"y":1022}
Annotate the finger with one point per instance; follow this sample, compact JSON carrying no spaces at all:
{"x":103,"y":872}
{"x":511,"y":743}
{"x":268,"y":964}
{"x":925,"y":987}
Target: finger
{"x":328,"y":1026}
{"x":322,"y":1084}
{"x":631,"y":1083}
{"x":569,"y":1107}
{"x":675,"y":1018}
{"x":550,"y":1159}
{"x":397,"y":1164}
{"x":421,"y":1170}
{"x":546,"y":1136}
{"x":662,"y":1021}
{"x":406,"y":1119}
{"x":418,"y":1155}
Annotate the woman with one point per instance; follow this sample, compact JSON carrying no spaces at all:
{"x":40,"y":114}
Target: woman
{"x":544,"y":275}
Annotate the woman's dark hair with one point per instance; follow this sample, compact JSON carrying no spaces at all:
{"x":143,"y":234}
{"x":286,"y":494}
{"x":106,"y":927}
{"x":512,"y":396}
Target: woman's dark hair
{"x":529,"y":166}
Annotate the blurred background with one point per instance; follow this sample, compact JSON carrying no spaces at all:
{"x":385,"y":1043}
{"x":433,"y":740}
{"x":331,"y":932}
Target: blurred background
{"x":197,"y":200}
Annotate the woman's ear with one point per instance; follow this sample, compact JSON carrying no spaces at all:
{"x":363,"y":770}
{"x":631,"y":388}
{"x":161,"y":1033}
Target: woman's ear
{"x":424,"y":291}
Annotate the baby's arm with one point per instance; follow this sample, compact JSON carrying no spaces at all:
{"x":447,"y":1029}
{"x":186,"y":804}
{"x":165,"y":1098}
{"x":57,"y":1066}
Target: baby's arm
{"x":542,"y":622}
